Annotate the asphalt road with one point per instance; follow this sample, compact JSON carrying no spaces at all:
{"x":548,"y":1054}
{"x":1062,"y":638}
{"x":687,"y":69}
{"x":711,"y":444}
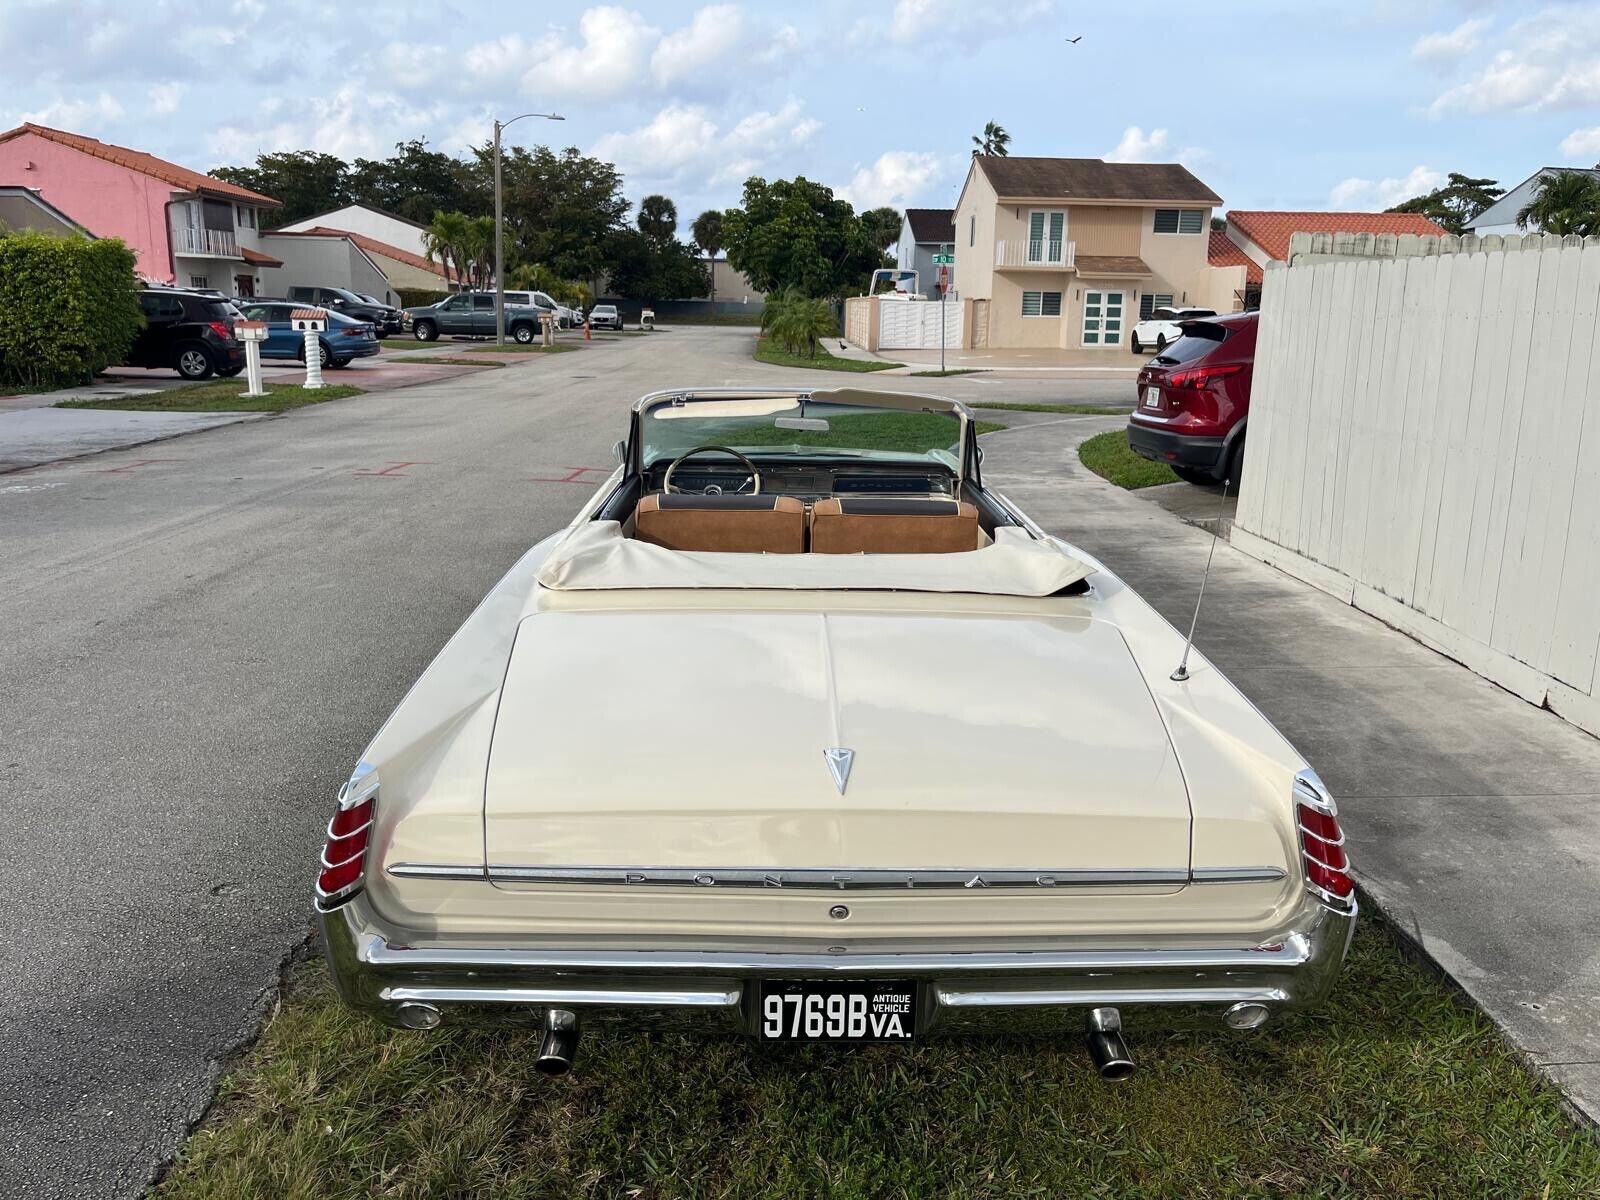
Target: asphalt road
{"x":200,"y":637}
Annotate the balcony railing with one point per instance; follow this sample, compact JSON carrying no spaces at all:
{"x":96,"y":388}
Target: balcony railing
{"x":215,"y":243}
{"x":1051,"y":254}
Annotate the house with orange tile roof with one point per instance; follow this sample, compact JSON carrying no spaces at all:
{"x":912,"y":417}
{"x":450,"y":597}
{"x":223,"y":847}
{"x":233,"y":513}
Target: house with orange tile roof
{"x":185,"y":228}
{"x":324,"y":256}
{"x":1255,"y":237}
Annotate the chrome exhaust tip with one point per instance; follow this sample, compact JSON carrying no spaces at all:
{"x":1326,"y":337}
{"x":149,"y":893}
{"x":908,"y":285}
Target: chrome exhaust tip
{"x":414,"y":1015}
{"x":1246,"y":1015}
{"x":559,"y":1045}
{"x":1109,"y":1052}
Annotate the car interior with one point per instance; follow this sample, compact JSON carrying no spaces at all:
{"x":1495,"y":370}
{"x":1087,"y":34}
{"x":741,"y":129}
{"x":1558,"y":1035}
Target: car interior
{"x":789,"y":507}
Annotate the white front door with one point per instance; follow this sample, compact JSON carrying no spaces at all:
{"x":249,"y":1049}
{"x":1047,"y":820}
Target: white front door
{"x":1102,"y":318}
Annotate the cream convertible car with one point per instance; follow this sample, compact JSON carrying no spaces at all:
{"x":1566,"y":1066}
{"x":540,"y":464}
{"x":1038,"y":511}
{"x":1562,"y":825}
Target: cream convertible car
{"x":799,"y":721}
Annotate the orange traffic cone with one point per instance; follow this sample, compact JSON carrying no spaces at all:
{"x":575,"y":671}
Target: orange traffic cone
{"x":587,"y":336}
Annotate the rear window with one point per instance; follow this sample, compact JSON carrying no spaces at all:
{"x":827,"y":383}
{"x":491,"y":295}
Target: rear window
{"x":1199,"y":337}
{"x":219,"y":310}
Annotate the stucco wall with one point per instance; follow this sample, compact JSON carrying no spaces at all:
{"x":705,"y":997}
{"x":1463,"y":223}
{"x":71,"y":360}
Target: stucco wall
{"x":107,"y":200}
{"x":975,"y":250}
{"x":321,"y":262}
{"x":355,"y":218}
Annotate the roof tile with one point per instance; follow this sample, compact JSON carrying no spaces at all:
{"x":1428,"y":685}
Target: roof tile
{"x":1225,"y":252}
{"x":1093,"y":179}
{"x":932,"y":225}
{"x":1271,"y":230}
{"x":145,"y":164}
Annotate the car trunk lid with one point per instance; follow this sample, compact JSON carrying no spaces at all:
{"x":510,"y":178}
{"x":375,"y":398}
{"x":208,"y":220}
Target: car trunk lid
{"x":661,"y":749}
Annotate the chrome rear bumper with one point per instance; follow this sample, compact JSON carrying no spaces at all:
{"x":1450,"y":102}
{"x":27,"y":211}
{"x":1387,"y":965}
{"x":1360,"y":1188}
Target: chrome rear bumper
{"x":377,"y":973}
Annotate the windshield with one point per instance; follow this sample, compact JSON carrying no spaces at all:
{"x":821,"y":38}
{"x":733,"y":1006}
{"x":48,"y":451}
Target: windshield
{"x":776,"y":426}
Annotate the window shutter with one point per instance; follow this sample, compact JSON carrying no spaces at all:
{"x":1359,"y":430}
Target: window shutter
{"x":1166,"y":220}
{"x":1191,"y":220}
{"x":1052,"y":304}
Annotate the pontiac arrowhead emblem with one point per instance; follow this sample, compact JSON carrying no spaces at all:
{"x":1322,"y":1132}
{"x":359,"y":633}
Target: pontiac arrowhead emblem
{"x":839,"y":760}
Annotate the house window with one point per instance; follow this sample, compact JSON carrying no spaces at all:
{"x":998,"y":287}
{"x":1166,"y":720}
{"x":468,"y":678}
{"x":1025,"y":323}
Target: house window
{"x":1041,"y":304}
{"x":972,"y":231}
{"x":1045,"y":232}
{"x":1151,"y":301}
{"x":199,"y":281}
{"x":1180,"y":220}
{"x":247,"y":217}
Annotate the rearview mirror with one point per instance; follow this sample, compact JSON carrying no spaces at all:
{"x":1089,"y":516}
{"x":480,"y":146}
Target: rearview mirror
{"x":620,"y":452}
{"x":809,"y":424}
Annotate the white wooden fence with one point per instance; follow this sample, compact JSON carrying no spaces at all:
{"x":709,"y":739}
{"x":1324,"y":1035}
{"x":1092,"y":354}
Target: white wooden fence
{"x":917,"y":324}
{"x":1424,"y":441}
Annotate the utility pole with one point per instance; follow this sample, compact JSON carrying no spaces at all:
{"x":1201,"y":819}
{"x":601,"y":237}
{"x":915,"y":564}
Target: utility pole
{"x":499,"y":228}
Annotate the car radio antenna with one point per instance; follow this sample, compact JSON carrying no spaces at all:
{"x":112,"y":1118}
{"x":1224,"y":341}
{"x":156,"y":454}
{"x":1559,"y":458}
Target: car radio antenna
{"x":1182,"y":673}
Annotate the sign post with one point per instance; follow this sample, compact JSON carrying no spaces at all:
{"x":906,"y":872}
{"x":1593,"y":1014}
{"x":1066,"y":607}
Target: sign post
{"x":311,"y":322}
{"x":252,"y":334}
{"x":943,"y":262}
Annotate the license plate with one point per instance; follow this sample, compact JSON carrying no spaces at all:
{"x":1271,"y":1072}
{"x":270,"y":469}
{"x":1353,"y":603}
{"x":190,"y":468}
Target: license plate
{"x":803,"y":1010}
{"x":1152,"y":397}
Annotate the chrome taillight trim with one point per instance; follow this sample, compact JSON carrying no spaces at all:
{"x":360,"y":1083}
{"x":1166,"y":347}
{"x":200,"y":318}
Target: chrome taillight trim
{"x":361,"y":787}
{"x":362,"y":784}
{"x":1309,"y":790}
{"x":1322,"y":862}
{"x":1319,"y":837}
{"x":343,"y":862}
{"x":339,"y":837}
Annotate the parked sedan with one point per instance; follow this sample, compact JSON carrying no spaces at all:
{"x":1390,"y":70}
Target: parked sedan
{"x":1164,"y":325}
{"x":835,"y":841}
{"x":1194,"y":398}
{"x":187,"y":332}
{"x":343,"y":340}
{"x":605,"y":316}
{"x":383,"y":318}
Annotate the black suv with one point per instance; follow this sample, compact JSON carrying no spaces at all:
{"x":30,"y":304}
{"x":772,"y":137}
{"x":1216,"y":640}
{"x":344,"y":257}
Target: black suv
{"x":383,"y":319}
{"x":188,"y":332}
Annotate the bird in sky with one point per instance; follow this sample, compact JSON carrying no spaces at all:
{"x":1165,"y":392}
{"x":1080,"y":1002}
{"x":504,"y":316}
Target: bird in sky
{"x":1076,"y":40}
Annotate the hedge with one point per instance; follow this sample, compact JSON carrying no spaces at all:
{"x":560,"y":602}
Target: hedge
{"x":416,"y":297}
{"x":69,"y":308}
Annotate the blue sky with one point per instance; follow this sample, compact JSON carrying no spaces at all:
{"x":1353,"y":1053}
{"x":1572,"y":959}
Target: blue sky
{"x":1275,"y":105}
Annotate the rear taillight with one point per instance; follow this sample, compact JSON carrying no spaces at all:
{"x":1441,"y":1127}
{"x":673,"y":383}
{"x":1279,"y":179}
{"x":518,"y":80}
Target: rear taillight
{"x":359,"y":331}
{"x":1327,"y":867}
{"x":222,"y":329}
{"x":1199,"y":377}
{"x":344,"y":853}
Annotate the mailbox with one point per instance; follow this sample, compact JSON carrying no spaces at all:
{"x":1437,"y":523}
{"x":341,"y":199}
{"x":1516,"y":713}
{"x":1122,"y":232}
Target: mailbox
{"x":309,"y":320}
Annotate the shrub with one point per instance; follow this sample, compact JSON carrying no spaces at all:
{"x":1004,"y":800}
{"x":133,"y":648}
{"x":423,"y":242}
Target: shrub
{"x":796,"y":321}
{"x":69,"y":307}
{"x":417,"y":297}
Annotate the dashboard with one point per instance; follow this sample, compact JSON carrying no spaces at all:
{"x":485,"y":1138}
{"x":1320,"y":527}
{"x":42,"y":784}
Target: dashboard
{"x":809,"y":482}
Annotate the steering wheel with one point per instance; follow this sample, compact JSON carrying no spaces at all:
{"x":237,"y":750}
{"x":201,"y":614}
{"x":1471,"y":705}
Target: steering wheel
{"x":755,"y":475}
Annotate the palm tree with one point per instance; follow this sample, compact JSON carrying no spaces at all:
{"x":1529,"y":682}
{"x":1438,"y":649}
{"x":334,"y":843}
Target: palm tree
{"x":993,"y":141}
{"x":658,"y":218}
{"x":443,"y":241}
{"x":477,"y":249}
{"x":707,"y":232}
{"x":1565,"y":202}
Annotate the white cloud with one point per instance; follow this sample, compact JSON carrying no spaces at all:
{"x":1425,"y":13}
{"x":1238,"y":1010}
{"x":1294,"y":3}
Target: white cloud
{"x":1363,"y":195}
{"x":73,"y":115}
{"x":958,"y":25}
{"x":613,"y":51}
{"x":165,"y":97}
{"x":1551,"y":60}
{"x":897,"y":177}
{"x":703,"y":46}
{"x":1443,"y":49}
{"x":1582,"y":143}
{"x":353,"y":122}
{"x":684,"y":141}
{"x":1138,"y":146}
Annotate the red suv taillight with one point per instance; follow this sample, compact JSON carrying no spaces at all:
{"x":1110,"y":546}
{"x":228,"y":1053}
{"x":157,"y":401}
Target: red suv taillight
{"x":344,"y":854}
{"x":222,"y":329}
{"x":1327,"y":866}
{"x":1200,"y":377}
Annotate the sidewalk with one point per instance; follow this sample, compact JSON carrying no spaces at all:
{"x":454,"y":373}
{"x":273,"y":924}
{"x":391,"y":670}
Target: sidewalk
{"x":1473,"y":817}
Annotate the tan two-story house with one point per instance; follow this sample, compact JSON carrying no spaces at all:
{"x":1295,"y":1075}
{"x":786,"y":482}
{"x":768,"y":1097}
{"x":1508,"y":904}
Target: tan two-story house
{"x":1066,"y":253}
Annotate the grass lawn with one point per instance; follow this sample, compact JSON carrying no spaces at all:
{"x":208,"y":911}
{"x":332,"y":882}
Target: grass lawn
{"x":1071,"y":410}
{"x":1108,"y":456}
{"x":769,"y":352}
{"x":1397,"y":1090}
{"x":513,"y":348}
{"x":222,"y":395}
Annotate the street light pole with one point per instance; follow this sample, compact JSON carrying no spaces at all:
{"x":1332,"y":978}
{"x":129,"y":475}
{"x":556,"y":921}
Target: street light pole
{"x":499,"y":228}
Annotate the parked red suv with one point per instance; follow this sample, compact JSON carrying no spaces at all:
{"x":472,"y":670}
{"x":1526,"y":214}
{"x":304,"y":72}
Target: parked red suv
{"x":1194,"y":397}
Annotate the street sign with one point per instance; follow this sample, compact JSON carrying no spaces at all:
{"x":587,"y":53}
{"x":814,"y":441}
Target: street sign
{"x":944,"y":260}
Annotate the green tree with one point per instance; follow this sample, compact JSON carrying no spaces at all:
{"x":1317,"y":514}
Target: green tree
{"x":414,"y":182}
{"x":445,"y":242}
{"x":1564,"y":203}
{"x":306,"y":182}
{"x":559,"y":208}
{"x":1456,"y":203}
{"x":882,"y":226}
{"x":658,"y":218}
{"x":707,"y":233}
{"x":645,"y":269}
{"x":793,"y":233}
{"x":993,"y":140}
{"x":797,"y":322}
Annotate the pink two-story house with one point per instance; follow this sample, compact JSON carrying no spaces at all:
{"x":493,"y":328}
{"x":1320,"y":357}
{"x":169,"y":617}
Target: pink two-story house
{"x":187,"y":229}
